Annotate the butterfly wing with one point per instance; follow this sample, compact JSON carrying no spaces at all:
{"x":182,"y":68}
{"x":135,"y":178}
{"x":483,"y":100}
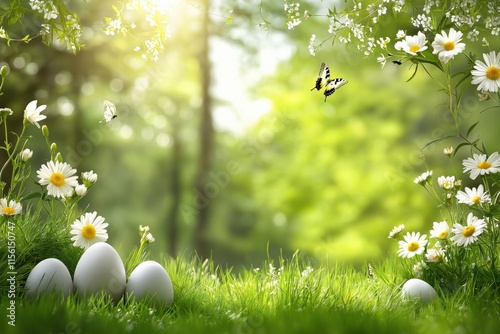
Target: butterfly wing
{"x":109,"y":111}
{"x":333,"y":85}
{"x":323,"y":77}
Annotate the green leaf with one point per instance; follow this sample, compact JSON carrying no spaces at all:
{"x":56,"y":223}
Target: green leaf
{"x":471,"y":128}
{"x":34,"y":195}
{"x":459,"y":146}
{"x":437,"y":140}
{"x":414,"y":73}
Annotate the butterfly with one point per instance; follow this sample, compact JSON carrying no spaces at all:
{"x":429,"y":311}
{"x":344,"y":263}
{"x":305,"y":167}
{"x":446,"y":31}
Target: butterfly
{"x":109,"y":111}
{"x":331,"y":85}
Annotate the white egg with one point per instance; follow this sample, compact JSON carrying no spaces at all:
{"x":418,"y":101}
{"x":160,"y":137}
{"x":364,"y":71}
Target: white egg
{"x":100,"y":270}
{"x":49,"y":276}
{"x":149,"y":280}
{"x":416,"y":289}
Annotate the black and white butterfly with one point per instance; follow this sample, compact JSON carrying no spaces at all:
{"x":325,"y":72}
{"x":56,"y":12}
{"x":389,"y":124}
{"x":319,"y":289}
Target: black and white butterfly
{"x":109,"y":112}
{"x":331,"y":85}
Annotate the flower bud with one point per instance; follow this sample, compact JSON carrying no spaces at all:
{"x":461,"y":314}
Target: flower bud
{"x":26,"y":154}
{"x":45,"y":131}
{"x":89,"y":177}
{"x":53,"y":147}
{"x":448,"y":151}
{"x":4,"y":112}
{"x":4,"y":71}
{"x":81,"y":190}
{"x":59,"y":157}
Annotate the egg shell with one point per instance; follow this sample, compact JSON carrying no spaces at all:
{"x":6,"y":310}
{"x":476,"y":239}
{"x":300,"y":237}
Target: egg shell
{"x":49,"y":276}
{"x":149,"y":280}
{"x":416,"y":289}
{"x":100,"y":270}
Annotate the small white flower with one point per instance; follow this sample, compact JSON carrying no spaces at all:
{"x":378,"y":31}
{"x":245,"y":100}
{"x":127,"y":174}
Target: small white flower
{"x":396,"y":231}
{"x":440,"y":230}
{"x":448,"y":151}
{"x":4,"y":112}
{"x":9,"y":208}
{"x":412,"y":245}
{"x":419,"y":268}
{"x":26,"y":154}
{"x":412,"y":44}
{"x":447,"y":46}
{"x":401,"y":34}
{"x":382,"y":60}
{"x":466,"y":235}
{"x":32,"y":113}
{"x":473,"y":196}
{"x":80,"y":190}
{"x":424,"y":178}
{"x":88,"y":230}
{"x":446,"y":182}
{"x":479,"y":165}
{"x":487,"y":75}
{"x":433,"y":255}
{"x":90,"y":176}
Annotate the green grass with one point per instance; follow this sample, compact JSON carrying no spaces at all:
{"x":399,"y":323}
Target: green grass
{"x":285,"y":297}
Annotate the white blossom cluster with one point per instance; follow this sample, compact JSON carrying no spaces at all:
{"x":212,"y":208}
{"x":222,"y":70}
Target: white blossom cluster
{"x":359,"y":24}
{"x":292,"y":11}
{"x":46,"y":8}
{"x":156,"y":15}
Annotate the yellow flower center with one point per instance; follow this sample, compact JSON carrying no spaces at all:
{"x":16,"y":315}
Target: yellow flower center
{"x":8,"y":210}
{"x":413,"y":246}
{"x":493,"y":73}
{"x":468,"y":231}
{"x":476,"y":199}
{"x":414,"y":48}
{"x":442,"y":235}
{"x":88,"y":232}
{"x":449,"y":45}
{"x":57,"y":179}
{"x":483,"y":165}
{"x":447,"y":185}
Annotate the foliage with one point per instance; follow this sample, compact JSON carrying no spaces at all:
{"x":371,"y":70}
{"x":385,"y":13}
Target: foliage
{"x":36,"y":225}
{"x":289,"y":295}
{"x":469,"y":248}
{"x":46,"y":19}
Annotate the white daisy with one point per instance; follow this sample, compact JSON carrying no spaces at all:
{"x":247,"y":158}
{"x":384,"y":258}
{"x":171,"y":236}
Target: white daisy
{"x":396,"y":231}
{"x":447,"y":46}
{"x":32,"y":113}
{"x":88,"y":230}
{"x":473,"y":196}
{"x":487,"y":75}
{"x":412,"y":44}
{"x":433,"y":255}
{"x":412,"y":245}
{"x":446,"y":182}
{"x":440,"y":230}
{"x":58,"y":176}
{"x":9,"y":208}
{"x":479,"y":165}
{"x":466,"y":235}
{"x":424,"y":178}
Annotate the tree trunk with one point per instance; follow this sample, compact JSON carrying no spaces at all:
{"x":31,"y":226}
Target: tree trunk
{"x":202,"y":244}
{"x":176,"y":193}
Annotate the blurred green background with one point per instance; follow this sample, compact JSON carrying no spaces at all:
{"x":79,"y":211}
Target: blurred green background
{"x":221,"y":147}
